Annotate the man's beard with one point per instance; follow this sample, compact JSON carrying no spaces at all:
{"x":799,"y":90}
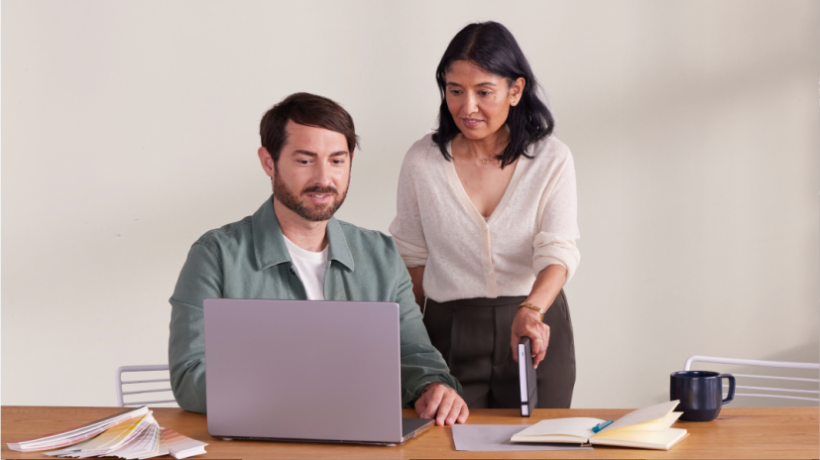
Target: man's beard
{"x":320,"y":212}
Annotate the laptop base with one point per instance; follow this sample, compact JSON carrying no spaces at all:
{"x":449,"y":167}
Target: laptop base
{"x":410,"y":427}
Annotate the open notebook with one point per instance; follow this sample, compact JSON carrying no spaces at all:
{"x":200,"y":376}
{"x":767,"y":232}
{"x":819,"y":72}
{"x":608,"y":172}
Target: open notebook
{"x":647,"y":428}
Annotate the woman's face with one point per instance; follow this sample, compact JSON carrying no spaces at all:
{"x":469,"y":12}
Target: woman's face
{"x":479,"y":101}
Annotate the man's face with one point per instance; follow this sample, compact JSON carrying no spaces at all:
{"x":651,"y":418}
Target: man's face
{"x":312,"y":174}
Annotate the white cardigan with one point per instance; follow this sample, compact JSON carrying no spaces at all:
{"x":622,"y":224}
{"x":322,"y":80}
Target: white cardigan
{"x":466,"y":256}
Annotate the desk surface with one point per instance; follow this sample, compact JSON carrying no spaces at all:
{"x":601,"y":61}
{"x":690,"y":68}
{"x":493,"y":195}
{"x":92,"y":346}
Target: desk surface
{"x":737,"y":433}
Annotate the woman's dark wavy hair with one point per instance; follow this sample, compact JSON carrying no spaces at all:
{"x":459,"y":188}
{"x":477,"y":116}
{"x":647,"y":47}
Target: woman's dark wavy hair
{"x":492,"y":47}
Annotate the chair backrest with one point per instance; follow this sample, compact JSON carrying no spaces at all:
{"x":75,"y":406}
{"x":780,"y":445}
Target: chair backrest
{"x":158,"y":382}
{"x":772,"y":390}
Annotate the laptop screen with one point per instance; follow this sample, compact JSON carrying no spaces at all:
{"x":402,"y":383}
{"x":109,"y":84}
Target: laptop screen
{"x":311,"y":370}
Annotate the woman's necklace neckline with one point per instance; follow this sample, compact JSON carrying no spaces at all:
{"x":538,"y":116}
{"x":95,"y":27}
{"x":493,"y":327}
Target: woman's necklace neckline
{"x":484,"y":161}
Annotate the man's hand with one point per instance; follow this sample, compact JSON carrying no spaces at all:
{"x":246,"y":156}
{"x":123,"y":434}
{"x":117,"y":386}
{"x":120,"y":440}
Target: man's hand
{"x":527,"y":323}
{"x":443,"y":403}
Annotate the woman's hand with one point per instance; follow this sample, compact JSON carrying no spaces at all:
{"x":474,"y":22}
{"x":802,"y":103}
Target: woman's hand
{"x":527,"y":323}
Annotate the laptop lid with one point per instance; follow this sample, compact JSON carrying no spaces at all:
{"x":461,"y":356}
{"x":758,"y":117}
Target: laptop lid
{"x":303,"y":370}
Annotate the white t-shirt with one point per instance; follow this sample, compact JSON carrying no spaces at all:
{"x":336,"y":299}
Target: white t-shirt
{"x":311,"y":267}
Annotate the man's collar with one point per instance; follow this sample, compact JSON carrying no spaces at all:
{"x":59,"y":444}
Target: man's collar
{"x":269,"y":243}
{"x":339,"y":250}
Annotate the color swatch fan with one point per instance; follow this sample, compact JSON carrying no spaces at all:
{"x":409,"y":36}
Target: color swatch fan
{"x":134,"y":434}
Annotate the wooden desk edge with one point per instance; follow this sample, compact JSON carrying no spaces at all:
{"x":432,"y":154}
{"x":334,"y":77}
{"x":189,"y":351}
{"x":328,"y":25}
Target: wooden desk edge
{"x":795,"y":433}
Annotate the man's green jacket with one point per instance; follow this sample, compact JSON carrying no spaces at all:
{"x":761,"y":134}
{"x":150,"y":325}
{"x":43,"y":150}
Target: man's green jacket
{"x":249,"y":260}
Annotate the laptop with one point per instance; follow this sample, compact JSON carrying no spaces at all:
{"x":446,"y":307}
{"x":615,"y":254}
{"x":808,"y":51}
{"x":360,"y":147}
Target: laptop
{"x":305,"y":371}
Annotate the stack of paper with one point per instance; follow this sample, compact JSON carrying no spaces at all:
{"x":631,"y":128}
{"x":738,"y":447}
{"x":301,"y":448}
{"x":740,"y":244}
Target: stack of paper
{"x":133,"y":435}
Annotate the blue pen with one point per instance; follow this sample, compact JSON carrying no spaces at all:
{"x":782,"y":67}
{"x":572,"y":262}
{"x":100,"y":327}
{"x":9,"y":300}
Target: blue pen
{"x":601,"y":426}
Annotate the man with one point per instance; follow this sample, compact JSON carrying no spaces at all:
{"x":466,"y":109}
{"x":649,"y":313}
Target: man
{"x":282,"y":252}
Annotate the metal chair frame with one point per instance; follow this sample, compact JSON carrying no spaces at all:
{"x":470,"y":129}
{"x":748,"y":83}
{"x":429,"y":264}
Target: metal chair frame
{"x":148,"y":368}
{"x":754,"y":362}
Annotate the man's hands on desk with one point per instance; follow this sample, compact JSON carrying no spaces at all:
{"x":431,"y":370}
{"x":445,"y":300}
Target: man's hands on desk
{"x":443,"y":403}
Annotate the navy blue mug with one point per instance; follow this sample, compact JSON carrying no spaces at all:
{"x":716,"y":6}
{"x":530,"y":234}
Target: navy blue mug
{"x":700,"y":394}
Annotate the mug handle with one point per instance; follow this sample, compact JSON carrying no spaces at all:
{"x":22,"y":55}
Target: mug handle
{"x":731,"y":394}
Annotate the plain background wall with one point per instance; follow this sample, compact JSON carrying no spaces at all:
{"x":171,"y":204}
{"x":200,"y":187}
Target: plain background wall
{"x":129,"y":129}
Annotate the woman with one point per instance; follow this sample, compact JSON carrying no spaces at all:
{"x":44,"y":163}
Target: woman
{"x":487,"y":224}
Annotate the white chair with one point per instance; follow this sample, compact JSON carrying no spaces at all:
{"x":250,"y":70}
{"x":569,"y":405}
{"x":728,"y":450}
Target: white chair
{"x":142,"y":369}
{"x":781,"y":393}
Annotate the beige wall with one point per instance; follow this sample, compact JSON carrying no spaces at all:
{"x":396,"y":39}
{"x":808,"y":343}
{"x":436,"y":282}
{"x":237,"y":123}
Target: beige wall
{"x":130,"y":128}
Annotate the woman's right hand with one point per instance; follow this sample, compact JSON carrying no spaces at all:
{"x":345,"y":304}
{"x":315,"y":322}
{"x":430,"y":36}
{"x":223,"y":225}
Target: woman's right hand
{"x":527,"y":323}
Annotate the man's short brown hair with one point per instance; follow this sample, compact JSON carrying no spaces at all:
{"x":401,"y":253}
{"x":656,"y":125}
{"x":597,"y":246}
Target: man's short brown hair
{"x":309,"y":110}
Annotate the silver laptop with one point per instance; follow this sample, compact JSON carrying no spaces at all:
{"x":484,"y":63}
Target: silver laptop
{"x":309,"y":371}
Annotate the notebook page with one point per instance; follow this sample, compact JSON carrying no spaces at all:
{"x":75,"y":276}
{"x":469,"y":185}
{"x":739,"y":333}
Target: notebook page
{"x":646,"y":439}
{"x":647,"y":414}
{"x":662,"y":424}
{"x":572,"y":426}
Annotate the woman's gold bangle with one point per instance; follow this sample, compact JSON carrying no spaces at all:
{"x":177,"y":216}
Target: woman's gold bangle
{"x":531,"y":307}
